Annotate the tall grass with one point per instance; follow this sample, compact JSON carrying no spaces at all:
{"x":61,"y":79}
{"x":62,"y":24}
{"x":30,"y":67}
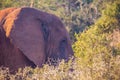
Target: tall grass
{"x":73,"y":70}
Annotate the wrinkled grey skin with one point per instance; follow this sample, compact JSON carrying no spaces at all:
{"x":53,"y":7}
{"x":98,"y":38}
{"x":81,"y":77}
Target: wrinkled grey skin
{"x":35,"y":36}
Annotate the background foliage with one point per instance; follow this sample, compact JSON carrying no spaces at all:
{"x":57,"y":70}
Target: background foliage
{"x":75,"y":14}
{"x":94,"y":27}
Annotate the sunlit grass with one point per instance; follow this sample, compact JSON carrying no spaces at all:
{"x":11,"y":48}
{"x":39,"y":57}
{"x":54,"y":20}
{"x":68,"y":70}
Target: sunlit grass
{"x":73,"y":70}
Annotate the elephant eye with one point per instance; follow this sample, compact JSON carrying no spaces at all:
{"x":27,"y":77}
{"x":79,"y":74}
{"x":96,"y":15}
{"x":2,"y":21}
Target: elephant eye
{"x":62,"y":48}
{"x":63,"y":41}
{"x":62,"y":45}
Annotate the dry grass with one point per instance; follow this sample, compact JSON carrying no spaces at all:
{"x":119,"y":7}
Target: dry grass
{"x":73,"y":70}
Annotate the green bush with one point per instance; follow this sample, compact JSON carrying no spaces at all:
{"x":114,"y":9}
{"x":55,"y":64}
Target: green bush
{"x":97,"y":40}
{"x":96,"y":50}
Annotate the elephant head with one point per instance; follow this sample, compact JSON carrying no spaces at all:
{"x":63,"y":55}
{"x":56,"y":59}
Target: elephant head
{"x":37,"y":35}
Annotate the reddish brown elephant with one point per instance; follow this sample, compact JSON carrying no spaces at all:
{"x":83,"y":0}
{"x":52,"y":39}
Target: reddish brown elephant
{"x":5,"y":12}
{"x":29,"y":37}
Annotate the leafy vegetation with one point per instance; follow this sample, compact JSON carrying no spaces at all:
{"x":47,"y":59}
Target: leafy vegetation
{"x":96,"y":46}
{"x":97,"y":40}
{"x":7,"y":3}
{"x":68,"y":71}
{"x":76,"y":14}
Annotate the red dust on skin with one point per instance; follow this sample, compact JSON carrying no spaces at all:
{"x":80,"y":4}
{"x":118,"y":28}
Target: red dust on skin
{"x":28,"y":37}
{"x":5,"y":12}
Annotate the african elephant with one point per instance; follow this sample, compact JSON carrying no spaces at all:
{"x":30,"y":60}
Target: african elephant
{"x":5,"y":12}
{"x":29,"y":37}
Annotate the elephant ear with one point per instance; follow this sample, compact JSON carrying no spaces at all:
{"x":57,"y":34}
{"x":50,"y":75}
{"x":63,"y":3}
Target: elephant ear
{"x":27,"y":35}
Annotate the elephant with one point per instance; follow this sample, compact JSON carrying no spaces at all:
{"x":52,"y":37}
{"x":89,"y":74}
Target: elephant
{"x":5,"y":12}
{"x":30,"y":37}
